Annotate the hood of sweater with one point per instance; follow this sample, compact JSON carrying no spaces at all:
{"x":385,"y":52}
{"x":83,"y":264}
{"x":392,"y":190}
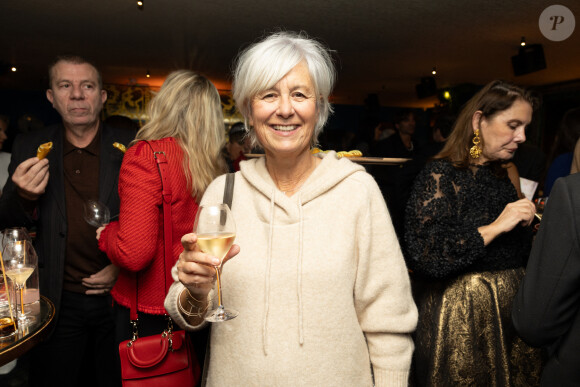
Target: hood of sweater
{"x":285,"y":210}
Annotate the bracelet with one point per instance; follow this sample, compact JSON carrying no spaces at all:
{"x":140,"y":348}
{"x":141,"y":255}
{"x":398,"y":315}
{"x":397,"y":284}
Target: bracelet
{"x":200,"y":312}
{"x":191,"y":295}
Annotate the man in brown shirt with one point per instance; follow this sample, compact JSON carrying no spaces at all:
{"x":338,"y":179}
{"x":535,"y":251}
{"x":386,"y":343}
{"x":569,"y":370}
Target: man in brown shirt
{"x":49,"y":194}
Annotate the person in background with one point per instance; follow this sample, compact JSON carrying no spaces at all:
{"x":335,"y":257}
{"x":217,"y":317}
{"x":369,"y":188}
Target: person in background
{"x":561,"y":158}
{"x":4,"y":156}
{"x":468,"y":238}
{"x":546,"y":309}
{"x":401,"y":145}
{"x":321,"y":299}
{"x":395,"y":181}
{"x":237,"y":146}
{"x":49,"y":194}
{"x":186,"y":123}
{"x":441,"y":129}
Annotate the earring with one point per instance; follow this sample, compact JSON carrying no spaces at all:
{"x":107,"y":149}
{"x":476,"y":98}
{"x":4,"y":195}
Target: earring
{"x":475,"y":150}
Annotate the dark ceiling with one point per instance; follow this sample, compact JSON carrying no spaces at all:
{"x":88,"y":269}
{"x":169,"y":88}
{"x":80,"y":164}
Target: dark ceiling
{"x":383,"y":47}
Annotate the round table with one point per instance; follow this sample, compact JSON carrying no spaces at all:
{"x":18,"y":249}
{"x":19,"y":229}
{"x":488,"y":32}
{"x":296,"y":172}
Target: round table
{"x":13,"y":347}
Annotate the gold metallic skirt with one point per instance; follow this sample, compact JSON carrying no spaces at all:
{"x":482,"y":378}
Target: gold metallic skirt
{"x":465,"y":336}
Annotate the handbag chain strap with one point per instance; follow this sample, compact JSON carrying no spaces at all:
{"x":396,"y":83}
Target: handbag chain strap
{"x":161,"y":160}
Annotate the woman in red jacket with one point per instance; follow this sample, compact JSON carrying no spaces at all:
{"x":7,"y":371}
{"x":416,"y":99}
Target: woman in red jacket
{"x":186,"y":123}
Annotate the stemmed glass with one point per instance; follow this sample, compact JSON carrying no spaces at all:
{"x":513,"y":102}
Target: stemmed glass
{"x":96,"y":213}
{"x":20,"y":261}
{"x":7,"y":321}
{"x":216,"y":231}
{"x":14,"y":234}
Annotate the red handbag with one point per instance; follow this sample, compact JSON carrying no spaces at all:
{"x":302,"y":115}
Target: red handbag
{"x":160,"y":360}
{"x":165,"y":359}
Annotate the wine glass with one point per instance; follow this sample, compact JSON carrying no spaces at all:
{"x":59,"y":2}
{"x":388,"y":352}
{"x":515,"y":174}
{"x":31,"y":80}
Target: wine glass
{"x":216,"y":231}
{"x":96,"y":213}
{"x":7,"y":321}
{"x":20,"y":261}
{"x":13,"y":234}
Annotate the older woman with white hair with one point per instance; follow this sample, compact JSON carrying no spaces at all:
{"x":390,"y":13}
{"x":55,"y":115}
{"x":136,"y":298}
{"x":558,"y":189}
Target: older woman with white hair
{"x":318,"y":277}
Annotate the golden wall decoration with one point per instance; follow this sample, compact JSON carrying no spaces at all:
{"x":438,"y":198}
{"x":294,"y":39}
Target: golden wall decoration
{"x":231,"y":113}
{"x":131,"y":101}
{"x":128,"y":101}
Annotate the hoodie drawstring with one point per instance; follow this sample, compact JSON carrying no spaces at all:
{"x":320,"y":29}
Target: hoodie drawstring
{"x":300,"y":309}
{"x":268,"y":270}
{"x":267,"y":279}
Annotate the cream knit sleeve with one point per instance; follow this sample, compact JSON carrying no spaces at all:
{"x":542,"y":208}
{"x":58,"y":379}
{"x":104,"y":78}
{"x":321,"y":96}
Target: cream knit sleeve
{"x":386,"y":311}
{"x":172,"y":299}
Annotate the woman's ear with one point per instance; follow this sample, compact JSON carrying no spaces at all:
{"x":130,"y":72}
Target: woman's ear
{"x":476,"y":120}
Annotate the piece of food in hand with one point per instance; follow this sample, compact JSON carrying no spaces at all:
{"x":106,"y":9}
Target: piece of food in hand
{"x":315,"y":150}
{"x":43,"y":150}
{"x":355,"y":153}
{"x":120,"y":146}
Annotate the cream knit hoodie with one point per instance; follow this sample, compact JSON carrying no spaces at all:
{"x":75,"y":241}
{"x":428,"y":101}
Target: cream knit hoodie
{"x":320,"y":284}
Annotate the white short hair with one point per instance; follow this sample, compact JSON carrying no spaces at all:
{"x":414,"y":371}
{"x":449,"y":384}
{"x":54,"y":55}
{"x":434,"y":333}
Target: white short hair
{"x":265,"y":63}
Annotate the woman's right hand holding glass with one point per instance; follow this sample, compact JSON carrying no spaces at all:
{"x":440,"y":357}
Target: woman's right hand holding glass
{"x":519,"y":212}
{"x":196,"y":269}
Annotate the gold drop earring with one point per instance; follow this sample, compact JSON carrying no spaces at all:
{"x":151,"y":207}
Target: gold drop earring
{"x":475,"y":150}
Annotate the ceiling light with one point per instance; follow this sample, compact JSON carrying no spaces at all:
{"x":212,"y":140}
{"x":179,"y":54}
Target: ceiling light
{"x":14,"y":69}
{"x":523,"y":41}
{"x":148,"y":75}
{"x":434,"y":71}
{"x":140,"y":4}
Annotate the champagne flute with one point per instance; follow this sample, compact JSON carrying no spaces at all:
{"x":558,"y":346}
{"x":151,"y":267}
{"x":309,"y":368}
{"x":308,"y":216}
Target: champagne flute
{"x":19,"y":263}
{"x":14,"y":234}
{"x":7,"y":321}
{"x":216,"y":231}
{"x":96,"y":213}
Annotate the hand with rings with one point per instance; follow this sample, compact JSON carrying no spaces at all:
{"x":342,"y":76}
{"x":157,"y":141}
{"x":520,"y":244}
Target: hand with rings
{"x":196,"y":269}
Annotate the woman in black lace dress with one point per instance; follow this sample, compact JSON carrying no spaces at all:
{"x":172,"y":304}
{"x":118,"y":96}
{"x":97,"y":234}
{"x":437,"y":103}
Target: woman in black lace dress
{"x":468,"y":238}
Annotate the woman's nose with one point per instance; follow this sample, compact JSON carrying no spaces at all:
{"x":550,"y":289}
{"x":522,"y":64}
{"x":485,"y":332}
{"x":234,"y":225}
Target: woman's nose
{"x":520,"y":135}
{"x":285,"y":108}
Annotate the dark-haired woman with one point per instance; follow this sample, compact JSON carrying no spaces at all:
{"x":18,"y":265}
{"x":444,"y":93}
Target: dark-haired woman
{"x":468,"y":238}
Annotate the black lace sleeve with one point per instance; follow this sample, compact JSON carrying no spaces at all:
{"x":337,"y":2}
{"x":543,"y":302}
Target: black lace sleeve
{"x":441,"y":237}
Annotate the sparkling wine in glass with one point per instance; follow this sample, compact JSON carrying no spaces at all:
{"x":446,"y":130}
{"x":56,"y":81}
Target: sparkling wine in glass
{"x":216,"y":231}
{"x":7,"y":322}
{"x":19,"y":263}
{"x":96,"y":213}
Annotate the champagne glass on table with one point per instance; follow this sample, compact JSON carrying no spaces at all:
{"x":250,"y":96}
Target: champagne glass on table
{"x":7,"y":322}
{"x":14,"y":234}
{"x":19,"y":262}
{"x":216,"y":231}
